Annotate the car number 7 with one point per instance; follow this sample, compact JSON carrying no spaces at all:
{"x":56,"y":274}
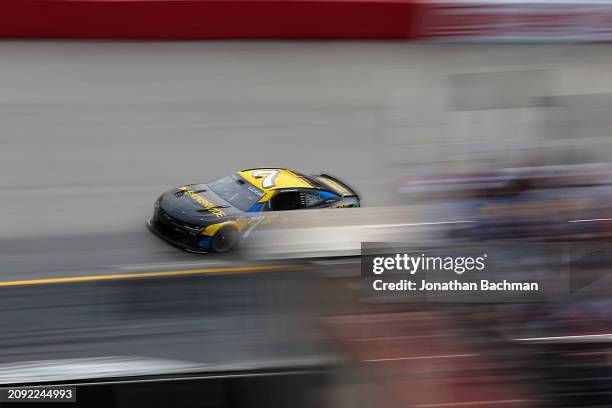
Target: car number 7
{"x":253,"y":222}
{"x":270,"y":177}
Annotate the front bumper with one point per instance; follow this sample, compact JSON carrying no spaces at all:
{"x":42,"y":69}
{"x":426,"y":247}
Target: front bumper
{"x":174,"y":233}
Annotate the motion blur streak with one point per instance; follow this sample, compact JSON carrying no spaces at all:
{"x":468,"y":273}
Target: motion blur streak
{"x":514,"y":139}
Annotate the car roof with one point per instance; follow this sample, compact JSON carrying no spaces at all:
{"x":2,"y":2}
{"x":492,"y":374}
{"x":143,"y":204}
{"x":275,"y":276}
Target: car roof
{"x":284,"y":178}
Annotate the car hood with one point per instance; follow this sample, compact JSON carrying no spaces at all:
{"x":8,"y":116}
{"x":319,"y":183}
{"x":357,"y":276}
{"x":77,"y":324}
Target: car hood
{"x":197,"y":204}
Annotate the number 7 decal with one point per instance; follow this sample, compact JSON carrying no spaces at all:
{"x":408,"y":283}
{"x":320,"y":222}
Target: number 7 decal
{"x":253,"y":222}
{"x":270,"y":177}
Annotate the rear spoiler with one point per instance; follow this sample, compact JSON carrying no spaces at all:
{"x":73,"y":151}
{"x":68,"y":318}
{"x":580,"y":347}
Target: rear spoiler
{"x":339,"y":186}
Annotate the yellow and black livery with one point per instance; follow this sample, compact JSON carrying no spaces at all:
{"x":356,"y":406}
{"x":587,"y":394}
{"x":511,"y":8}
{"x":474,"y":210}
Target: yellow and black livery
{"x":215,"y":216}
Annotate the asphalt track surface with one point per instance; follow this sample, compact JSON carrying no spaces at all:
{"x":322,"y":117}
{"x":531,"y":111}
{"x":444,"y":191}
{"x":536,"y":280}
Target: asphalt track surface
{"x":92,"y":132}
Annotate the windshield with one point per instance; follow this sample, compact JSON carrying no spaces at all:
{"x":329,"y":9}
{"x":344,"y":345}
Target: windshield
{"x":237,"y":191}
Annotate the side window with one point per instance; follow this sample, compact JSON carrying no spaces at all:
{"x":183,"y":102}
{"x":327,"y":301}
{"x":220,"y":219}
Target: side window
{"x":311,"y":199}
{"x":299,"y":199}
{"x":287,"y":200}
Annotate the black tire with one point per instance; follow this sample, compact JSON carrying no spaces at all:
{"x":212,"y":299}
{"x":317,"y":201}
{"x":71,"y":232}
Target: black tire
{"x":224,"y":240}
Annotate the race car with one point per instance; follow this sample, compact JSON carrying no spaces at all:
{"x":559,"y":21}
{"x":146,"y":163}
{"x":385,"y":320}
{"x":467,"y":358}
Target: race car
{"x":215,"y":216}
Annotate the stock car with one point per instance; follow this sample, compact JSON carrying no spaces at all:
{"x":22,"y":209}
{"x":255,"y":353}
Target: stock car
{"x":215,"y":216}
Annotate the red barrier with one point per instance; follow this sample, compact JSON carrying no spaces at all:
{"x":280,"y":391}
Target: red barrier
{"x":585,"y":20}
{"x":207,"y":19}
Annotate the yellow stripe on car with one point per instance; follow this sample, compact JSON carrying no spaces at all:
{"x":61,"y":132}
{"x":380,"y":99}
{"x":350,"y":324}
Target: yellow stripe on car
{"x":212,"y":229}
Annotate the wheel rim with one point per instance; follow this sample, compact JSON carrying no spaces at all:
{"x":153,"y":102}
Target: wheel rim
{"x":223,"y":241}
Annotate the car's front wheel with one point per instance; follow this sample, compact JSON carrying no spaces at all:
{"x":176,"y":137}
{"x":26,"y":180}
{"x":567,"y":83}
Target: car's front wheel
{"x":224,"y":240}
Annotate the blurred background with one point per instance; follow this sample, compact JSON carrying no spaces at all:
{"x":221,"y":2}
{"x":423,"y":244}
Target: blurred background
{"x":445,"y":142}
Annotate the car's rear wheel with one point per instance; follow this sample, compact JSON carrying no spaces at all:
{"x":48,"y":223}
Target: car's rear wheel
{"x":224,"y":240}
